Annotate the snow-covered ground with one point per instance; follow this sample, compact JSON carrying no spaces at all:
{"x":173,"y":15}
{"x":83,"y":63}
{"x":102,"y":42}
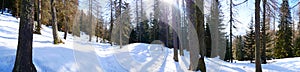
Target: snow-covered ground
{"x":79,"y":55}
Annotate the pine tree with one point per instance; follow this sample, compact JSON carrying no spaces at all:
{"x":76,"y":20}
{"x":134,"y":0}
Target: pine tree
{"x":249,"y":42}
{"x":283,"y":47}
{"x":23,"y":62}
{"x":239,"y":48}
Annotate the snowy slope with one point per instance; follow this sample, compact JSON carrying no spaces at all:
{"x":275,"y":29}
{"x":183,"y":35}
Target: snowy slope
{"x":79,"y":55}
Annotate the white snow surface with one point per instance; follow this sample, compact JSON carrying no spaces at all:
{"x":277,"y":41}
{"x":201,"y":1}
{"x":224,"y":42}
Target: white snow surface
{"x":80,"y":55}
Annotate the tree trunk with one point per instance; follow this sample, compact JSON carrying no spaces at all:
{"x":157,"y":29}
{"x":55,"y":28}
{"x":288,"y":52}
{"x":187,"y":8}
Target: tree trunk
{"x":23,"y":62}
{"x":257,"y":36}
{"x":264,"y":33}
{"x":175,"y":18}
{"x":111,"y":22}
{"x":66,"y":29}
{"x":66,"y":21}
{"x":56,"y":38}
{"x":230,"y":33}
{"x":2,"y":6}
{"x":196,"y":16}
{"x":38,"y":27}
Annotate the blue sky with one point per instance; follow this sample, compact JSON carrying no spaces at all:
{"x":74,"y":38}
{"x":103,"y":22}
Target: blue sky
{"x":243,"y":12}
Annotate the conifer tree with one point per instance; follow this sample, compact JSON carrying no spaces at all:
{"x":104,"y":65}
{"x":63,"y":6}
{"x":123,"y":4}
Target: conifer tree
{"x":283,"y":47}
{"x":23,"y":62}
{"x":249,"y":42}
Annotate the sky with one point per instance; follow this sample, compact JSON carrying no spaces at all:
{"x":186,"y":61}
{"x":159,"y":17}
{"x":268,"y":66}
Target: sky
{"x":243,"y":13}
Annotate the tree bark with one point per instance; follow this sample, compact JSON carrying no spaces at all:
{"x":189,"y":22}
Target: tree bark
{"x":66,"y":21}
{"x":111,"y":22}
{"x":264,"y":33}
{"x":38,"y":27}
{"x":257,"y":36}
{"x":23,"y":62}
{"x":196,"y":16}
{"x":2,"y":6}
{"x":56,"y":38}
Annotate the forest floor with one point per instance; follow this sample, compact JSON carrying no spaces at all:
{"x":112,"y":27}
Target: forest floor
{"x":80,"y":55}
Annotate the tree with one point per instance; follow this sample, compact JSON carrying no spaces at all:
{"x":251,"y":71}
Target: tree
{"x":231,"y":20}
{"x":56,"y":38}
{"x":218,"y":44}
{"x":2,"y":6}
{"x":249,"y":42}
{"x":111,"y":22}
{"x":208,"y":40}
{"x":66,"y":20}
{"x":264,"y":33}
{"x":283,"y":47}
{"x":239,"y":52}
{"x":23,"y":62}
{"x":175,"y":28}
{"x":257,"y":38}
{"x":38,"y":27}
{"x":16,"y":8}
{"x":196,"y":16}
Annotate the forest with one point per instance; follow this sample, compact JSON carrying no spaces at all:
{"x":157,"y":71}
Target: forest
{"x":198,"y":29}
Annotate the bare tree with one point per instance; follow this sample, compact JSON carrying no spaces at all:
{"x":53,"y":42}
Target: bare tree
{"x":23,"y":62}
{"x":257,"y":36}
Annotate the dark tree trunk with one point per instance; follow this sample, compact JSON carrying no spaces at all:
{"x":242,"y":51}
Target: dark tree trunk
{"x":66,"y":21}
{"x":38,"y":27}
{"x":2,"y":6}
{"x":66,"y":29}
{"x":23,"y":62}
{"x":264,"y":33}
{"x":230,"y":33}
{"x":257,"y":36}
{"x":111,"y":22}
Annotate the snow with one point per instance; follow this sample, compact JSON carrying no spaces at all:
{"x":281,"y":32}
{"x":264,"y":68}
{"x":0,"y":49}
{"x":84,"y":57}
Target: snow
{"x":80,"y":55}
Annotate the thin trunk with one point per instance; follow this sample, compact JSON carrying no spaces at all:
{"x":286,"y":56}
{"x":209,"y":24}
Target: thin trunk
{"x":23,"y":62}
{"x":230,"y":34}
{"x":38,"y":27}
{"x":2,"y":6}
{"x":54,"y":24}
{"x":90,"y":21}
{"x":121,"y":28}
{"x":111,"y":22}
{"x":264,"y":33}
{"x":257,"y":36}
{"x":66,"y":21}
{"x":175,"y":32}
{"x":183,"y":43}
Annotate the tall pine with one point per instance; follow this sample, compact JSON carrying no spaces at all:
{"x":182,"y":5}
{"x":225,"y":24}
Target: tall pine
{"x":283,"y":47}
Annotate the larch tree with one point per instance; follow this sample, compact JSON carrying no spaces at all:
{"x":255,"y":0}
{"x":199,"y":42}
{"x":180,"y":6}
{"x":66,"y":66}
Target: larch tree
{"x":23,"y":62}
{"x":257,"y":37}
{"x":56,"y":37}
{"x":263,"y":53}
